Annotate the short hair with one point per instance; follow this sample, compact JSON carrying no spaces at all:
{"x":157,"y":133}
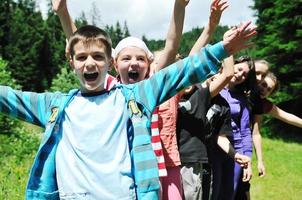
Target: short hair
{"x":88,"y":34}
{"x":272,"y":76}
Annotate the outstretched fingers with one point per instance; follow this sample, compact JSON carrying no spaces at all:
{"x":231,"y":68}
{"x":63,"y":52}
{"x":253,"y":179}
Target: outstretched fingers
{"x":223,"y":5}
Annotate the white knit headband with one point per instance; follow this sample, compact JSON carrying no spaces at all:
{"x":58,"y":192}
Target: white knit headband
{"x":132,"y":42}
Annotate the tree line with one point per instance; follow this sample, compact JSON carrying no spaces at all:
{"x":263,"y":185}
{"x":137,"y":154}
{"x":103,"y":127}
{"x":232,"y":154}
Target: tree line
{"x":33,"y":47}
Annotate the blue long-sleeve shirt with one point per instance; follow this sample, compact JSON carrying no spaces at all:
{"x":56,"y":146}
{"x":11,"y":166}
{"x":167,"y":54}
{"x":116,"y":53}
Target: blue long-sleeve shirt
{"x":47,"y":111}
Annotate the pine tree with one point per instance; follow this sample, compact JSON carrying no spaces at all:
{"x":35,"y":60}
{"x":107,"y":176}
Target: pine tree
{"x":25,"y":39}
{"x":279,"y":41}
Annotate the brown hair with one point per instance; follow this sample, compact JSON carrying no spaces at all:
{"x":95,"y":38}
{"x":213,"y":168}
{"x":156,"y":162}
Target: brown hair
{"x":250,"y":82}
{"x":90,"y":34}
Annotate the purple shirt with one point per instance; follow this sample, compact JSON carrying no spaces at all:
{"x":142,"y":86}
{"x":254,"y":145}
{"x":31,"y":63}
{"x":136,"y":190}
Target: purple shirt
{"x":240,"y":114}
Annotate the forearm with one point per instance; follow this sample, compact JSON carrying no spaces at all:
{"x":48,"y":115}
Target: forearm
{"x":191,"y":70}
{"x":228,"y":67}
{"x":224,"y":143}
{"x":203,"y":39}
{"x":257,"y":140}
{"x":222,"y":79}
{"x":295,"y":121}
{"x":173,"y":36}
{"x":286,"y":117}
{"x":67,"y":24}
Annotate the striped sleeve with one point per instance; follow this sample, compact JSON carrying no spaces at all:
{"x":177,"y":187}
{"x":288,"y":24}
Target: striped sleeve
{"x":27,"y":106}
{"x":156,"y":145}
{"x":167,"y":82}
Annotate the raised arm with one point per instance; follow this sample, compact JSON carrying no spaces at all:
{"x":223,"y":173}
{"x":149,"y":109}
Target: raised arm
{"x":169,"y":53}
{"x":257,"y":140}
{"x":286,"y":117}
{"x":221,"y":80}
{"x":167,"y":82}
{"x":60,"y":7}
{"x":217,"y":7}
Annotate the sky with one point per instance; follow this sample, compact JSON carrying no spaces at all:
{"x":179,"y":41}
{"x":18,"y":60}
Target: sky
{"x":151,"y":17}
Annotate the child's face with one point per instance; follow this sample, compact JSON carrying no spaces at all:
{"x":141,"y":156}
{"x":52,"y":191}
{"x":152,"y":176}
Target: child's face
{"x":91,"y":64}
{"x":261,"y":71}
{"x":266,"y":87}
{"x":132,"y":65}
{"x":241,"y":71}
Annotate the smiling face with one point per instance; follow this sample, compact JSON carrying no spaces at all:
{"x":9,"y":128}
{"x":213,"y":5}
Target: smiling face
{"x":91,"y":64}
{"x":261,"y":69}
{"x":132,"y":65}
{"x":241,"y":71}
{"x":266,"y":87}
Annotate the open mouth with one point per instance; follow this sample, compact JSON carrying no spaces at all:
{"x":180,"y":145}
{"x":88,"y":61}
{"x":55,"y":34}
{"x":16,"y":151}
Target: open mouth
{"x":91,"y":76}
{"x":133,"y":75}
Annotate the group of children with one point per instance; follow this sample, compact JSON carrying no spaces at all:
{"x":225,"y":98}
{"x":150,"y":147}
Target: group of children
{"x":153,"y":132}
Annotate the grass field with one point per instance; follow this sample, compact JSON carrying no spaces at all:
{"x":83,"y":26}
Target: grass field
{"x":283,"y":162}
{"x":283,"y":181}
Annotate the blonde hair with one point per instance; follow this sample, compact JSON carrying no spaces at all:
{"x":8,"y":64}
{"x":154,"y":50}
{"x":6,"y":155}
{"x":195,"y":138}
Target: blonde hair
{"x":262,"y":61}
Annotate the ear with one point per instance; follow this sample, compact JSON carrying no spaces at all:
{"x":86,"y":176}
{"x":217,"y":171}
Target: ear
{"x":110,"y":63}
{"x":115,"y":65}
{"x":71,"y":63}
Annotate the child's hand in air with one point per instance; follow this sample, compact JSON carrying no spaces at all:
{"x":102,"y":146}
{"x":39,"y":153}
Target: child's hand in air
{"x":236,"y":38}
{"x":217,"y":8}
{"x":59,"y":5}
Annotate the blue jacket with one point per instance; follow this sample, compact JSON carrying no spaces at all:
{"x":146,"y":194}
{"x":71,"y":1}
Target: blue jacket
{"x":46,"y":110}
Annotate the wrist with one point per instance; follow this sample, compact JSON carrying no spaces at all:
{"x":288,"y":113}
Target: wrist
{"x":212,"y":26}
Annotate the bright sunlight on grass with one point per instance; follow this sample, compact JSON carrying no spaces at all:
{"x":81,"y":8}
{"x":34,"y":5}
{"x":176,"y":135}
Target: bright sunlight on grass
{"x":283,"y":180}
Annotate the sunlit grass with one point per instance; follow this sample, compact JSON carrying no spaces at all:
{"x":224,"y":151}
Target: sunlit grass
{"x":283,"y":180}
{"x":283,"y":162}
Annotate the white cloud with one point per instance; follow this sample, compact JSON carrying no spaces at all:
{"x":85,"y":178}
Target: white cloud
{"x":151,"y":17}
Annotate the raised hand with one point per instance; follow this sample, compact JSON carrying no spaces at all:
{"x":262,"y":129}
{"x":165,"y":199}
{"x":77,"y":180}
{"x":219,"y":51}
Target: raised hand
{"x":236,"y":38}
{"x":217,"y":8}
{"x":59,"y":5}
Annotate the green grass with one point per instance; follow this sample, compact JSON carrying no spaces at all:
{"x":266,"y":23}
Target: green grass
{"x":283,"y":164}
{"x":17,"y":154}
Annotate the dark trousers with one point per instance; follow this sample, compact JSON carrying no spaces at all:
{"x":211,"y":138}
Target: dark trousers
{"x":243,"y":190}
